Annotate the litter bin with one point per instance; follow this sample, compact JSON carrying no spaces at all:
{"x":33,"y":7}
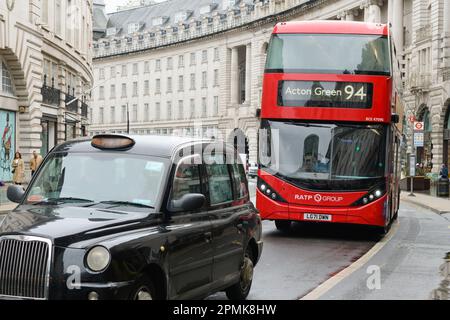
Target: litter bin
{"x":443,"y":187}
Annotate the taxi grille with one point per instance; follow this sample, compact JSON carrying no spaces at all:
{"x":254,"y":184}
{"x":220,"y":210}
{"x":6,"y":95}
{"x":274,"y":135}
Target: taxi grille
{"x":24,"y":267}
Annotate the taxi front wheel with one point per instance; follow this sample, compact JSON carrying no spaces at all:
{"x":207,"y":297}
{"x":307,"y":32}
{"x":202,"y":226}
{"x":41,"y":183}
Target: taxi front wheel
{"x":240,"y":290}
{"x":144,"y":289}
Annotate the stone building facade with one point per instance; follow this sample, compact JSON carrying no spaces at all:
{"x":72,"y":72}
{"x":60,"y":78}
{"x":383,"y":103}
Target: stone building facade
{"x":426,"y":71}
{"x":46,"y":60}
{"x":195,"y":67}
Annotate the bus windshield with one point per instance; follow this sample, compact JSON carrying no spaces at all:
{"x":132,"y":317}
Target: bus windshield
{"x":324,"y":156}
{"x":328,"y":53}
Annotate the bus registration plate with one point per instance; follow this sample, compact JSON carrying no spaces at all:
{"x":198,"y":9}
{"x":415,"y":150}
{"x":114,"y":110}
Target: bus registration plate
{"x":317,"y":217}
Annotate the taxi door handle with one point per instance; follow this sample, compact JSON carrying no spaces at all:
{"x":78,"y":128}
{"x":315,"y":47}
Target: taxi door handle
{"x":208,"y":237}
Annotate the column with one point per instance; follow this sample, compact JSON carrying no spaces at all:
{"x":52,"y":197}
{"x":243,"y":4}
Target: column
{"x":397,"y":24}
{"x":78,"y":94}
{"x":348,"y":15}
{"x":446,"y":18}
{"x":390,"y":18}
{"x":372,"y":10}
{"x":62,"y":85}
{"x":234,"y":76}
{"x":446,"y":33}
{"x":341,"y":15}
{"x":248,"y":73}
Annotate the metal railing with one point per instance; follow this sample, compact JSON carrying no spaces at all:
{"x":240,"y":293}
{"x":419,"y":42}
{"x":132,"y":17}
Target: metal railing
{"x":50,"y":95}
{"x":73,"y":106}
{"x":420,"y":81}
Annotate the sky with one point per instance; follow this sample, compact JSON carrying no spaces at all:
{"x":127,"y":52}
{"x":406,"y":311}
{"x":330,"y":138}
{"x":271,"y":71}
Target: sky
{"x":111,"y":5}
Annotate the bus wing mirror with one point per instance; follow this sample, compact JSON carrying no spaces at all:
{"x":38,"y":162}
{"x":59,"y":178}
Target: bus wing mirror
{"x":395,"y":118}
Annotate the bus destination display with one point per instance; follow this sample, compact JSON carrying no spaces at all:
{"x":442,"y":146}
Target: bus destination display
{"x":327,"y":94}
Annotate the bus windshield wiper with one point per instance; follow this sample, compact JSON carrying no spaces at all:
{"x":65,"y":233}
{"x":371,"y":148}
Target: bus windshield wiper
{"x":55,"y":201}
{"x":126,"y":203}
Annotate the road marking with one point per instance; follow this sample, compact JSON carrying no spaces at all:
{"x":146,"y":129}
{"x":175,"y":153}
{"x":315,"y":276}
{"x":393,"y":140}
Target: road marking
{"x":333,"y":281}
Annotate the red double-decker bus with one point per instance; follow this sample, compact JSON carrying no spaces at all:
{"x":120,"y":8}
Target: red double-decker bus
{"x":329,"y":145}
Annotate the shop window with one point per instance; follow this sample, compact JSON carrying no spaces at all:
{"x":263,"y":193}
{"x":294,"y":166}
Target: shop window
{"x":6,"y":83}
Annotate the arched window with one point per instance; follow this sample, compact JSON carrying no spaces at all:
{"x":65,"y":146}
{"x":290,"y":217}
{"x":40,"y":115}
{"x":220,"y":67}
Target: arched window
{"x":427,"y":121}
{"x":447,"y":119}
{"x":423,"y":115}
{"x":6,"y":83}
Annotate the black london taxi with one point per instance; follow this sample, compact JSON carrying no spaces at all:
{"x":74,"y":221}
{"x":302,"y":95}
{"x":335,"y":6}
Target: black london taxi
{"x":131,"y":217}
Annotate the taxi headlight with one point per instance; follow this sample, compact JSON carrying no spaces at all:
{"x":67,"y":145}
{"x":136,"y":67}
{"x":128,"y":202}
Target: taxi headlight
{"x":98,"y":259}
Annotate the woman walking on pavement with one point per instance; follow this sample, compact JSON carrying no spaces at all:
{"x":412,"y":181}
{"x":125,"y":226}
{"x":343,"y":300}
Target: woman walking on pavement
{"x":18,"y":167}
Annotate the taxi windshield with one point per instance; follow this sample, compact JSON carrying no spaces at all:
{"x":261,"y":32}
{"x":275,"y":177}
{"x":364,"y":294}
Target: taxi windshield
{"x":122,"y":179}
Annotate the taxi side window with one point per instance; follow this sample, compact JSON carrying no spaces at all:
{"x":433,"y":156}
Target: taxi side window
{"x":240,"y":182}
{"x":186,"y":180}
{"x":219,"y":181}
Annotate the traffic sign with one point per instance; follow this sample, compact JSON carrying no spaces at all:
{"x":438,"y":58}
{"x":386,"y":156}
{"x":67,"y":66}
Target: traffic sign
{"x":418,"y":139}
{"x":418,"y":126}
{"x":412,"y":118}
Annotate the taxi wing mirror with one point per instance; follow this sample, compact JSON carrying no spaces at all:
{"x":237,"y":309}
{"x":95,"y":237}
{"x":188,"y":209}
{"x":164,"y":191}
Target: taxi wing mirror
{"x":15,"y":193}
{"x":188,"y":202}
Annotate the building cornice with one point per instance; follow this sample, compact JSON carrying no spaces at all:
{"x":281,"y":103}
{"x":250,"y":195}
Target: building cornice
{"x":28,"y":29}
{"x":254,"y":24}
{"x":88,"y":71}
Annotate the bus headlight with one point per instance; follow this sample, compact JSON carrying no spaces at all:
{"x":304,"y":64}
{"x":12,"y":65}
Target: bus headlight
{"x":98,"y":259}
{"x":268,"y":191}
{"x":374,"y":194}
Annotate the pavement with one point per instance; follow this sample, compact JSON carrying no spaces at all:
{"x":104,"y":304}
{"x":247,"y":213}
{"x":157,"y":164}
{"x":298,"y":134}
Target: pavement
{"x":411,"y":263}
{"x":437,"y":205}
{"x":5,"y":204}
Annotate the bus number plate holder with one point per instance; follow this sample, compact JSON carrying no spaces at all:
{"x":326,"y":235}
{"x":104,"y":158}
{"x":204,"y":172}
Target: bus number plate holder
{"x":317,"y":217}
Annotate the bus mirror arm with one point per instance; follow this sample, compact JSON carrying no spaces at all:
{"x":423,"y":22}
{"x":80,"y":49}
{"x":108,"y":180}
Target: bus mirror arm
{"x":395,"y":118}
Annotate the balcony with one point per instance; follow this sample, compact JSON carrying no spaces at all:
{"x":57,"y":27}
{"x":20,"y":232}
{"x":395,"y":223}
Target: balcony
{"x":419,"y":82}
{"x":50,"y":95}
{"x":423,"y":33}
{"x":71,"y":107}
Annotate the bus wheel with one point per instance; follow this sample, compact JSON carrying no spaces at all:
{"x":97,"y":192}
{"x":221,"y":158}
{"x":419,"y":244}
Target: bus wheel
{"x":283,"y":225}
{"x":395,"y":217}
{"x":382,"y":231}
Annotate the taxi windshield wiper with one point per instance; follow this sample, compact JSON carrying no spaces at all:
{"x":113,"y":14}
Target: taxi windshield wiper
{"x":126,"y":203}
{"x":55,"y":201}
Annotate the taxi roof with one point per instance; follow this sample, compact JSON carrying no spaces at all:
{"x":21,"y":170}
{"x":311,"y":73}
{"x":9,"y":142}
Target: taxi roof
{"x":331,"y":27}
{"x":151,"y":145}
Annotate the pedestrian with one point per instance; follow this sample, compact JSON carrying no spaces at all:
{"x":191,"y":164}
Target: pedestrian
{"x":18,"y":168}
{"x":444,"y":171}
{"x":35,"y":162}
